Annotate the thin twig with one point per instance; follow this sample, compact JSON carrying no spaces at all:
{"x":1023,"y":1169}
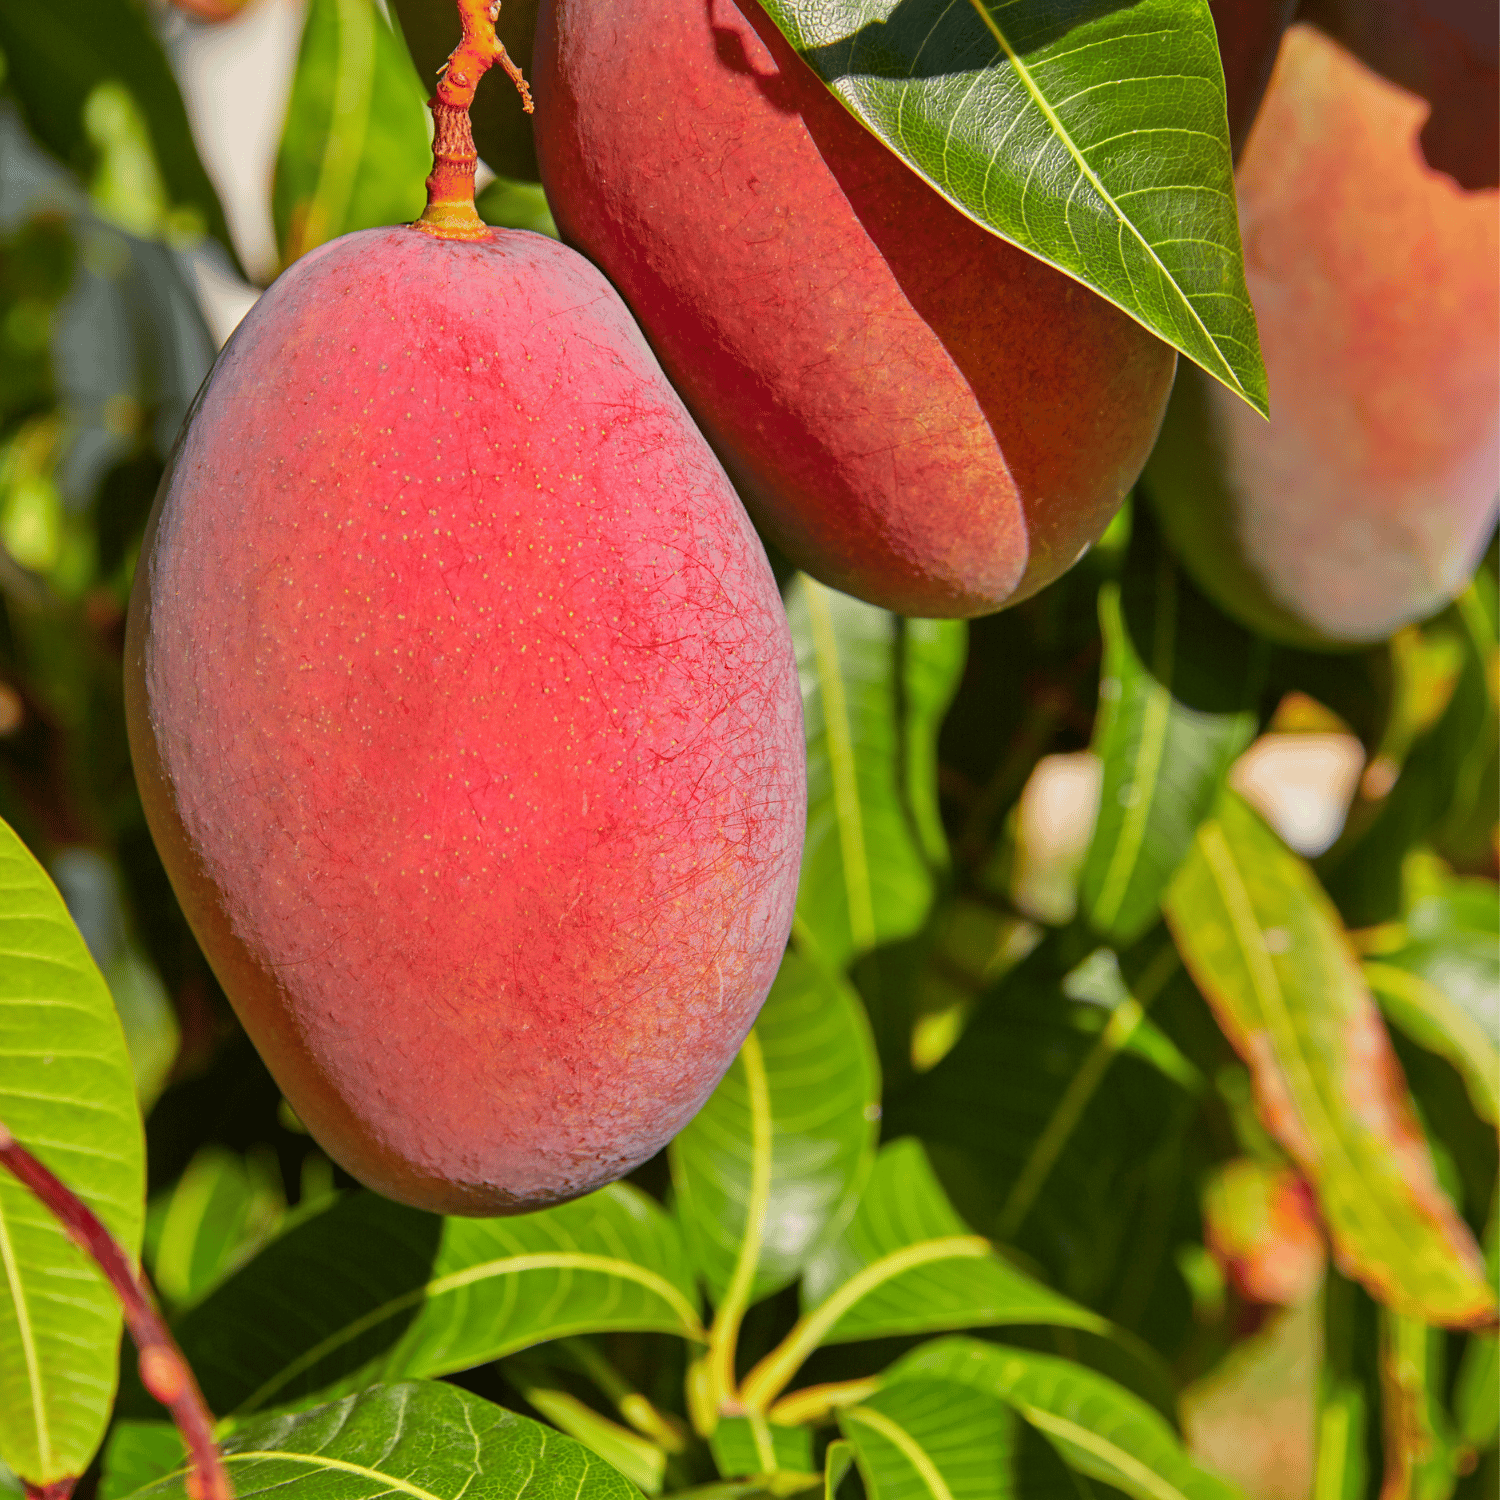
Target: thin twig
{"x":164,"y":1371}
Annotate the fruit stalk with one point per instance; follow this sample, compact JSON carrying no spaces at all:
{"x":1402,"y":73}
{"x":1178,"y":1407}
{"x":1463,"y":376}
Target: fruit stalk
{"x":450,"y":212}
{"x":164,"y":1371}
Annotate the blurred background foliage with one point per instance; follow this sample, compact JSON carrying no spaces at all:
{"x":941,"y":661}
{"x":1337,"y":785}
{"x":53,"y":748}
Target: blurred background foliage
{"x":1024,"y":789}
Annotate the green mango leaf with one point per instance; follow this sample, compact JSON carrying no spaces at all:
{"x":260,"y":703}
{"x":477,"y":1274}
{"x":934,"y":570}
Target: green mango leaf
{"x":91,"y":886}
{"x":220,"y":1212}
{"x":138,"y":1454}
{"x":751,"y":1445}
{"x":1058,"y":1135}
{"x":777,"y":1158}
{"x":419,"y":1439}
{"x":640,"y":1460}
{"x":1099,"y":1428}
{"x":1177,"y":698}
{"x":932,"y":1440}
{"x":1091,"y":134}
{"x":874,"y":688}
{"x":1340,"y":1472}
{"x":906,"y":1263}
{"x":84,"y":75}
{"x":369,"y":1290}
{"x":1446,"y":789}
{"x":1442,"y":986}
{"x":67,"y":1094}
{"x":1476,"y":1392}
{"x":837,"y":1462}
{"x":507,"y":203}
{"x":354,"y":152}
{"x":1265,"y":947}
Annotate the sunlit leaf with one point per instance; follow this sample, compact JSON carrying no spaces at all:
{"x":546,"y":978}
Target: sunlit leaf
{"x":874,"y":687}
{"x":906,"y":1263}
{"x":354,"y":152}
{"x":1092,"y":135}
{"x":751,"y":1445}
{"x":1419,"y":1457}
{"x":1177,"y":698}
{"x":369,"y":1290}
{"x":778,"y":1156}
{"x":67,"y":1095}
{"x":219,"y":1213}
{"x":1442,"y":986}
{"x":1264,"y":945}
{"x":421,"y":1440}
{"x":1099,"y":1428}
{"x":932,"y":1439}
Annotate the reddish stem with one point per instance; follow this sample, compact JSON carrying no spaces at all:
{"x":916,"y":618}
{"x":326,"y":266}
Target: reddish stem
{"x":450,"y":213}
{"x":164,"y":1371}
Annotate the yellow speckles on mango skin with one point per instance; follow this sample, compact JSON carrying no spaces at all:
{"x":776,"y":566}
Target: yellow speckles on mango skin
{"x":477,"y":720}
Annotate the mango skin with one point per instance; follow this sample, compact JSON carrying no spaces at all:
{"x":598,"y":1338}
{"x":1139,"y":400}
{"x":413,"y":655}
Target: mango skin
{"x":915,"y":411}
{"x":1366,"y":500}
{"x":466,"y":719}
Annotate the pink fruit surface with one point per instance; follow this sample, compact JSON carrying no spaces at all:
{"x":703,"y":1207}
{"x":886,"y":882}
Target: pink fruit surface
{"x":1364,"y":502}
{"x":917,"y":412}
{"x":466,"y":718}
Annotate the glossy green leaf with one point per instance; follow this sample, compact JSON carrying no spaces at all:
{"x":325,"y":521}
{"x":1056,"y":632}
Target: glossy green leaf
{"x":1264,"y":945}
{"x":906,"y":1263}
{"x":778,"y":1156}
{"x":90,"y":885}
{"x":369,"y":1290}
{"x":1442,"y":986}
{"x":1447,"y":789}
{"x":837,"y":1462}
{"x":1340,"y":1473}
{"x":71,"y":67}
{"x":640,"y":1460}
{"x":752,"y":1445}
{"x":219,"y":1213}
{"x":138,"y":1454}
{"x":511,"y":204}
{"x":1177,"y":697}
{"x":354,"y":151}
{"x":932,"y":1440}
{"x":1091,"y":134}
{"x":874,"y":688}
{"x":420,"y":1440}
{"x":1099,"y":1428}
{"x":68,"y":1096}
{"x":1058,"y":1136}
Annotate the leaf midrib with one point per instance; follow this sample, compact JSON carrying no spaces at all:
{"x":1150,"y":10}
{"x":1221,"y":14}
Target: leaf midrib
{"x":510,"y":1265}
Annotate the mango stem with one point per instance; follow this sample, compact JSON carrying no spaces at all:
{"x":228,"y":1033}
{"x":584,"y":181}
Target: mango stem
{"x":450,"y":212}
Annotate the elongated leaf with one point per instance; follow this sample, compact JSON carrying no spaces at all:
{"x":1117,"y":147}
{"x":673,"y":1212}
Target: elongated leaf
{"x":369,"y":1290}
{"x":1442,"y":987}
{"x":1091,"y":134}
{"x":874,"y":687}
{"x":418,"y":1439}
{"x":751,"y":1445}
{"x":57,"y":60}
{"x":1063,"y":1140}
{"x":222,"y":1209}
{"x":138,"y":1454}
{"x":354,"y":151}
{"x":640,"y":1460}
{"x":68,"y":1095}
{"x":1099,"y":1428}
{"x":1340,"y":1473}
{"x":1176,"y":706}
{"x":777,"y":1157}
{"x":906,"y":1263}
{"x":933,"y":1439}
{"x":1264,"y":945}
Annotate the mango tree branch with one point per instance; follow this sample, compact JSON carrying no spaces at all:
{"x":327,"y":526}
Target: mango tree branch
{"x":164,"y":1371}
